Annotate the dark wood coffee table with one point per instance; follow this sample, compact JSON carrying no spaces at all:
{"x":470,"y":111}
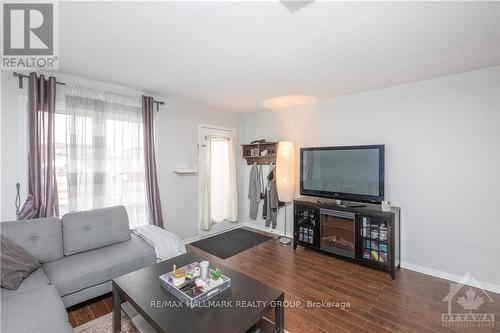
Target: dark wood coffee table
{"x":248,"y":301}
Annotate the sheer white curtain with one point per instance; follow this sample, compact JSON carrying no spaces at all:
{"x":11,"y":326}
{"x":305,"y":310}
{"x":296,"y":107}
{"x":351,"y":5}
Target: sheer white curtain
{"x":100,"y":153}
{"x":220,"y":197}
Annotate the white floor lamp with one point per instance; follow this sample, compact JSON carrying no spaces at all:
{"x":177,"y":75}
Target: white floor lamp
{"x":285,"y":178}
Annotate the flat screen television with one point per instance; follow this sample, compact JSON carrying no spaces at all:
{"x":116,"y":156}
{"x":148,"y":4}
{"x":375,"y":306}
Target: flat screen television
{"x":346,"y":173}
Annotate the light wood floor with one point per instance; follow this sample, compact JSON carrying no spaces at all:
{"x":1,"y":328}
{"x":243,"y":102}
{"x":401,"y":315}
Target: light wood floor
{"x":411,"y":303}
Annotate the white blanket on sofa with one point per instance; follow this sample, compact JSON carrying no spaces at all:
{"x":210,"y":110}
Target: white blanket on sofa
{"x":167,"y":245}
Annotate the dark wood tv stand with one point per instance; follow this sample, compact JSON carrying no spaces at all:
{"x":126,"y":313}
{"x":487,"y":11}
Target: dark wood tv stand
{"x":359,"y":232}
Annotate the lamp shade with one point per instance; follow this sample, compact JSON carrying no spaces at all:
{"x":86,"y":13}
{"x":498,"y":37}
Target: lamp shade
{"x":285,"y":171}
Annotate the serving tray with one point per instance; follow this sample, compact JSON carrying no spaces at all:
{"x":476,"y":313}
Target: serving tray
{"x":192,"y":297}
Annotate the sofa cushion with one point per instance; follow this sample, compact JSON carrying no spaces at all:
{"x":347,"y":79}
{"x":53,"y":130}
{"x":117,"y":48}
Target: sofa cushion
{"x":92,"y":229}
{"x":35,"y":310}
{"x":35,"y":280}
{"x":86,"y":269}
{"x":42,"y":238}
{"x":16,"y":263}
{"x":87,"y":293}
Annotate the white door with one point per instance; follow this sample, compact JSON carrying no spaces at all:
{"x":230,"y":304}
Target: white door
{"x":205,"y":133}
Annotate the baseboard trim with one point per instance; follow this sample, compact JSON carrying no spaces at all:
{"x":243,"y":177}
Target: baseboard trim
{"x":199,"y":237}
{"x":277,"y":232}
{"x":191,"y":240}
{"x":234,"y":226}
{"x":449,"y":276}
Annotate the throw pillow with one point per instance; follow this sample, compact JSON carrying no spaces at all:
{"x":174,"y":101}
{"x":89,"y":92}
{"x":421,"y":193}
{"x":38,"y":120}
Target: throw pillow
{"x":16,"y":263}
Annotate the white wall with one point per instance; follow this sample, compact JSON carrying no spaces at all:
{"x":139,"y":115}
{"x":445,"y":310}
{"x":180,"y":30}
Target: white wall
{"x":177,"y":133}
{"x":442,"y":162}
{"x":12,"y":168}
{"x":177,"y":146}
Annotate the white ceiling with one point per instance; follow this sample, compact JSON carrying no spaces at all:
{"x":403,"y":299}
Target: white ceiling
{"x":235,"y":55}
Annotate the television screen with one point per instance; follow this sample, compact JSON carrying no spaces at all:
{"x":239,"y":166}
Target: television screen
{"x":348,"y":173}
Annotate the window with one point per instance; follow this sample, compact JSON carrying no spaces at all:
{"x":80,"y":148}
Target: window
{"x":220,"y":188}
{"x":219,"y":199}
{"x":100,"y":153}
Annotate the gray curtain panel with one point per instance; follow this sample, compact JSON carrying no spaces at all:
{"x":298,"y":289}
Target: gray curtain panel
{"x":42,"y":187}
{"x":154,"y":203}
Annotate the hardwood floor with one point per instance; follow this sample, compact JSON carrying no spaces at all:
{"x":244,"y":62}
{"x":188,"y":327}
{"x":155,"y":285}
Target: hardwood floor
{"x":411,"y":303}
{"x":90,"y":310}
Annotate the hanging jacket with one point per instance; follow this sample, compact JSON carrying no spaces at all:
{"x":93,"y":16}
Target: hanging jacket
{"x":254,"y":191}
{"x":264,"y":197}
{"x":261,"y":178}
{"x":271,"y":202}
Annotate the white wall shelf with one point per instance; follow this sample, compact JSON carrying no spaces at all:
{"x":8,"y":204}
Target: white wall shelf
{"x":185,"y":171}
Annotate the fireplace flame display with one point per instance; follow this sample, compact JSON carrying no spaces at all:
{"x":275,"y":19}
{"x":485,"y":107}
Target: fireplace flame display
{"x":342,"y":243}
{"x":337,"y":232}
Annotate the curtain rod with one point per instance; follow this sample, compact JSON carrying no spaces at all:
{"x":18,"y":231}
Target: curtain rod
{"x":21,"y":76}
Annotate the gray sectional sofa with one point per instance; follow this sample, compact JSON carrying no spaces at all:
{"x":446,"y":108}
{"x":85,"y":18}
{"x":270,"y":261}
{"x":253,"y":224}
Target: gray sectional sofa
{"x":80,"y":254}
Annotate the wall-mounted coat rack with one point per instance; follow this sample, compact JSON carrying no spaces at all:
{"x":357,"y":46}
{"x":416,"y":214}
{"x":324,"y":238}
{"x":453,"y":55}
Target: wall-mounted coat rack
{"x":256,"y":153}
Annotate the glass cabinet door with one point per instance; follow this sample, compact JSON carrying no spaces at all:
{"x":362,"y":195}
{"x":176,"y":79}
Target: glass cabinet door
{"x":374,"y":238}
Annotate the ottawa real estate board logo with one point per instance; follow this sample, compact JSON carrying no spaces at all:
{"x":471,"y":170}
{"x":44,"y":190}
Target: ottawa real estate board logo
{"x":466,"y":306}
{"x":30,"y":36}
